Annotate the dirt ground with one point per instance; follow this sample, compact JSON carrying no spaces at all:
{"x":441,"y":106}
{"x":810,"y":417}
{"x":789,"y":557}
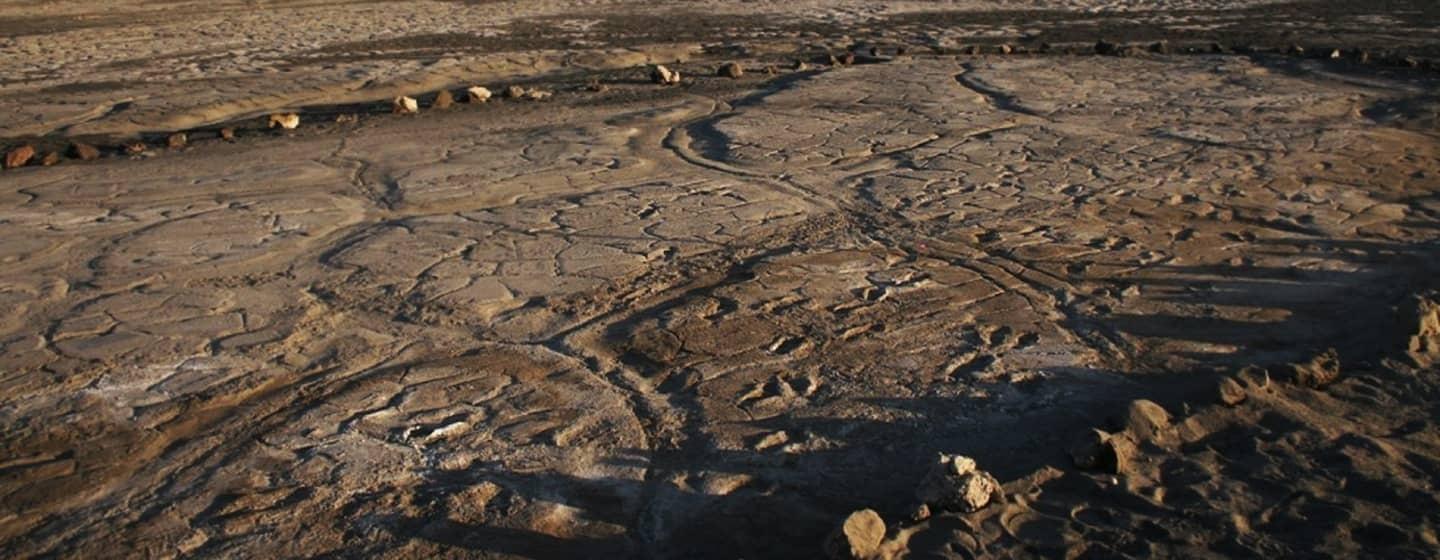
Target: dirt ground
{"x":1178,"y":300}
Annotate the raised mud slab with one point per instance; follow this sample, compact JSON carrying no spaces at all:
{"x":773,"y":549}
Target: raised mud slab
{"x":714,"y":320}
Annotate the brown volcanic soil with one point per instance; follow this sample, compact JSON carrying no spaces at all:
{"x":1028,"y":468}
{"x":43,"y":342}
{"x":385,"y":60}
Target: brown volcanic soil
{"x":713,"y":320}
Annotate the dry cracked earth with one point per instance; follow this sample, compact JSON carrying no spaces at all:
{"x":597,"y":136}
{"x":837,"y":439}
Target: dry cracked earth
{"x":712,"y":320}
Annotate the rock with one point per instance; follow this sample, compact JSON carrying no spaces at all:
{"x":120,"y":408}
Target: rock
{"x":347,"y":118}
{"x":51,"y":158}
{"x":1106,"y":48}
{"x":771,"y":69}
{"x":1335,"y":54}
{"x":801,"y":66}
{"x":1147,"y":421}
{"x":535,"y":94}
{"x":1230,"y":392}
{"x":847,"y":59}
{"x":19,"y":156}
{"x":134,"y":147}
{"x":955,"y":484}
{"x":1295,"y":50}
{"x":84,"y":152}
{"x":514,"y":92}
{"x":443,"y":100}
{"x":227,"y":134}
{"x":1104,"y":452}
{"x":177,"y":140}
{"x":858,"y":537}
{"x":404,"y":105}
{"x":1006,"y":49}
{"x":287,"y":121}
{"x":1320,"y":371}
{"x":1423,"y":325}
{"x":730,"y":70}
{"x":477,"y":94}
{"x":596,"y":86}
{"x":664,"y":76}
{"x":1160,"y":47}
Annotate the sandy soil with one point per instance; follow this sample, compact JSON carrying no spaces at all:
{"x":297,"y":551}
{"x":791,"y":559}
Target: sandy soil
{"x":713,"y":320}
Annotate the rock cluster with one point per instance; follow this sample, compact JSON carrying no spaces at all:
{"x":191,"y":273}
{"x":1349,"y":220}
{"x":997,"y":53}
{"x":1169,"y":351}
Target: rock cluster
{"x":954,"y":483}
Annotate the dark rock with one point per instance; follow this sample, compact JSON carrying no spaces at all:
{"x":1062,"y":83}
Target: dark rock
{"x":730,"y":70}
{"x":443,"y":100}
{"x":84,"y":152}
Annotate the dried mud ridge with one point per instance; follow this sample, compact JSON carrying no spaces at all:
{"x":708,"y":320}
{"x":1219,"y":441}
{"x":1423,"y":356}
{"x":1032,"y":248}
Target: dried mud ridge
{"x":57,"y":148}
{"x":716,"y":323}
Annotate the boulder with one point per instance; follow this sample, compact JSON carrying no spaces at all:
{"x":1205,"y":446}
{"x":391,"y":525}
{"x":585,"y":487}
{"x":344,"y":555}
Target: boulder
{"x":857,"y":538}
{"x":1147,"y":421}
{"x":1230,"y":392}
{"x":19,"y":156}
{"x":955,"y":484}
{"x":1102,"y":451}
{"x":443,"y":100}
{"x":1318,"y":372}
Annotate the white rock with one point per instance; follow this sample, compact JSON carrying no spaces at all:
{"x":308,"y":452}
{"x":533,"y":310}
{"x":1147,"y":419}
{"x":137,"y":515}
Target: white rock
{"x":477,"y":94}
{"x":405,"y":105}
{"x":286,"y":121}
{"x":664,"y":76}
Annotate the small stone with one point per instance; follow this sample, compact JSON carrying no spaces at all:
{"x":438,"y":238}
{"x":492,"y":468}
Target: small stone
{"x":287,"y":121}
{"x":730,"y":70}
{"x":847,"y":59}
{"x":834,"y":61}
{"x":443,"y":100}
{"x":51,"y":158}
{"x":1320,"y":371}
{"x":536,"y":94}
{"x":1006,"y":49}
{"x":177,"y":140}
{"x":477,"y":94}
{"x":1230,"y":392}
{"x":1335,"y":54}
{"x":404,"y":105}
{"x":227,"y":134}
{"x":1295,"y":50}
{"x":1362,"y":56}
{"x":514,"y":92}
{"x":596,"y":86}
{"x":19,"y":156}
{"x":858,"y":537}
{"x":664,"y":76}
{"x":347,"y":118}
{"x":1105,"y":452}
{"x":84,"y":151}
{"x":801,"y":66}
{"x":771,"y":69}
{"x":1106,"y":48}
{"x":135,"y":147}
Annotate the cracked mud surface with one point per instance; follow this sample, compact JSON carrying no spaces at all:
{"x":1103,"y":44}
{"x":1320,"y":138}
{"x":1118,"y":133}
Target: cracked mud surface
{"x":713,"y":321}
